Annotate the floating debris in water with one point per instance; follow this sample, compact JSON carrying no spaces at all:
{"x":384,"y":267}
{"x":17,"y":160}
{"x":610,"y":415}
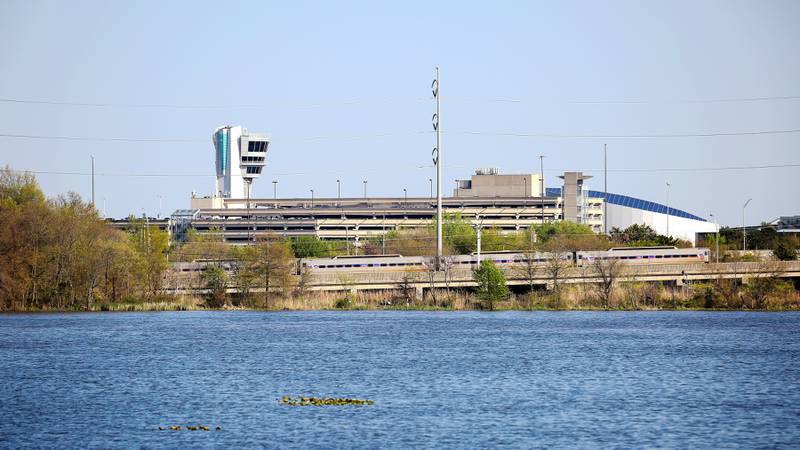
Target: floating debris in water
{"x":315,"y":401}
{"x":189,"y":427}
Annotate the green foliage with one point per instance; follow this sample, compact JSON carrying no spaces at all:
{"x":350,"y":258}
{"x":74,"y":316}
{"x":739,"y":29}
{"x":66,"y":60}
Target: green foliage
{"x":491,"y":283}
{"x":216,"y":281}
{"x":310,"y":247}
{"x":638,"y":235}
{"x":58,"y":254}
{"x":459,"y":234}
{"x":548,"y":230}
{"x":786,"y":249}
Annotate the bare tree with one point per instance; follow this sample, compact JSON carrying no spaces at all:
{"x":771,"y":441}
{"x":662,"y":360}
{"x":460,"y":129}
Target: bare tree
{"x":557,"y":262}
{"x":608,"y":271}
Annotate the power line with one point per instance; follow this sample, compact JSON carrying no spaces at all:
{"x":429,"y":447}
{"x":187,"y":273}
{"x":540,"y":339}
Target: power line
{"x":277,"y":104}
{"x":357,"y":101}
{"x":630,"y":101}
{"x":382,"y":135}
{"x":624,"y":136}
{"x":374,"y":171}
{"x":171,"y":140}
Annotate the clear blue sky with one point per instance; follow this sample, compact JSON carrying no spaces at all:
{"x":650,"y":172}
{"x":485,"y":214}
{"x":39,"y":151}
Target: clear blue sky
{"x":343,"y":88}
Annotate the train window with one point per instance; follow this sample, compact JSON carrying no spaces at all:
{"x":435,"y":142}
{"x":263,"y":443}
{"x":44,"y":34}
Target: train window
{"x":659,"y":256}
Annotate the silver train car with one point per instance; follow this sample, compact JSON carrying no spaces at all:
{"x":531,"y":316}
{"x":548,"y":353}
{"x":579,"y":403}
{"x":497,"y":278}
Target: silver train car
{"x":630,"y":255}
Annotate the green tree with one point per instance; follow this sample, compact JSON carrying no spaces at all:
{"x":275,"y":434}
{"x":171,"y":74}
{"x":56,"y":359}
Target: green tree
{"x":310,"y":247}
{"x":785,"y":249}
{"x":491,"y":283}
{"x":216,"y":281}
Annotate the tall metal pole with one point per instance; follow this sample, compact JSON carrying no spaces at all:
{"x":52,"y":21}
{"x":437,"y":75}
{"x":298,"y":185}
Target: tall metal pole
{"x":274,"y":189}
{"x":716,"y":226}
{"x":605,"y":190}
{"x":312,"y":201}
{"x":365,"y":189}
{"x":668,"y":209}
{"x":249,"y":217}
{"x":405,"y":197}
{"x":744,"y":230}
{"x":430,"y":180}
{"x":339,"y":191}
{"x":541,"y":183}
{"x":437,"y":160}
{"x":92,"y":180}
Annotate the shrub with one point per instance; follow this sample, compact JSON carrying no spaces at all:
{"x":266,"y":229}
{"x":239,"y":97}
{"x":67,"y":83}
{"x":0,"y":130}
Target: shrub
{"x":491,"y":283}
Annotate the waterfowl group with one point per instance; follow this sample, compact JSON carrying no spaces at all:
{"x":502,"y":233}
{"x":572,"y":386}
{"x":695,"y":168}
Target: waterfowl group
{"x":315,"y":401}
{"x":189,"y":427}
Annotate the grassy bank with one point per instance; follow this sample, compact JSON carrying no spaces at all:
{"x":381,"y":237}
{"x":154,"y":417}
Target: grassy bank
{"x":628,"y":297}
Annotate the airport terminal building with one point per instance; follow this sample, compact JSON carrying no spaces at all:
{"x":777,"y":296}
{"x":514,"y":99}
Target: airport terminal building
{"x":488,"y":199}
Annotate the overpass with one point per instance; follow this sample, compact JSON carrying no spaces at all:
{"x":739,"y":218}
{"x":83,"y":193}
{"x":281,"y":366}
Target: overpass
{"x":184,"y":277}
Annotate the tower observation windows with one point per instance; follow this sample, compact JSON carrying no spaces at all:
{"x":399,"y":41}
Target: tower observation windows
{"x":257,"y":146}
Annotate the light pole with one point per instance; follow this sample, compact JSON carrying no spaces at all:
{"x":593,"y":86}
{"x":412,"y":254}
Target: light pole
{"x":668,"y":210}
{"x":430,"y":180}
{"x":541,"y":184}
{"x":312,"y":199}
{"x":92,"y":181}
{"x":405,"y":197}
{"x":524,"y":191}
{"x":339,"y":191}
{"x":716,"y":226}
{"x":456,"y":188}
{"x":365,"y":189}
{"x":744,"y":230}
{"x":249,"y":182}
{"x":605,"y":190}
{"x":274,"y":189}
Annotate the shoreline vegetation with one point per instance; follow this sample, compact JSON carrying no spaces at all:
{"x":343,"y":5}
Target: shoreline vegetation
{"x":60,"y":255}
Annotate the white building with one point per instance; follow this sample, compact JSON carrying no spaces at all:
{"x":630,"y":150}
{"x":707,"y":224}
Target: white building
{"x":240,"y":156}
{"x":624,"y":211}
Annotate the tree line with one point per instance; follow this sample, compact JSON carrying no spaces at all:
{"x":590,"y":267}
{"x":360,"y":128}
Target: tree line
{"x":59,"y":254}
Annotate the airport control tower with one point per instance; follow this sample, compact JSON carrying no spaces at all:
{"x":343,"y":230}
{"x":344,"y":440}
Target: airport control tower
{"x":240,"y":157}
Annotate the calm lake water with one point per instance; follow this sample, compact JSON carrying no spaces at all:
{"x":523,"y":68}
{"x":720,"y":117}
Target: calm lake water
{"x":438,"y":379}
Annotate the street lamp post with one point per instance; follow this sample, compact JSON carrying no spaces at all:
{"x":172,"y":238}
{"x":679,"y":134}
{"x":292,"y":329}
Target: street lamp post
{"x":430,"y":180}
{"x":744,"y":230}
{"x":541,"y":183}
{"x":274,"y":189}
{"x":716,"y":226}
{"x":365,"y":189}
{"x":405,"y":197}
{"x":668,"y":210}
{"x":312,"y":199}
{"x":339,"y":191}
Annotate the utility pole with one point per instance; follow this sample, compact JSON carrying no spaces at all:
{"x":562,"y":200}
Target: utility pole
{"x":92,"y":180}
{"x":605,"y":190}
{"x":437,"y":161}
{"x":744,"y":230}
{"x":541,"y":184}
{"x":668,"y":209}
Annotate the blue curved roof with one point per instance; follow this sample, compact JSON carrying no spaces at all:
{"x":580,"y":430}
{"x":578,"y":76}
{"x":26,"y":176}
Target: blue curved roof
{"x":631,"y":202}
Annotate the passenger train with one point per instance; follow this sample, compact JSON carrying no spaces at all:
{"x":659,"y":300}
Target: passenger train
{"x":630,"y":255}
